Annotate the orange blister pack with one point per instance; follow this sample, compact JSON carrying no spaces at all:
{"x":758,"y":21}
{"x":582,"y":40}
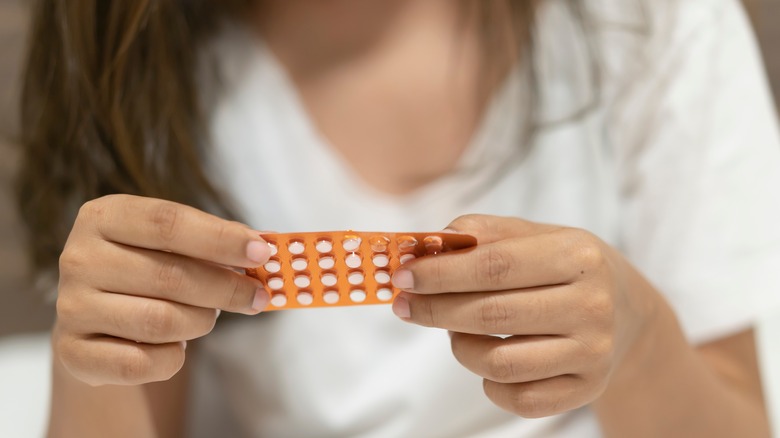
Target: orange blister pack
{"x":343,"y":268}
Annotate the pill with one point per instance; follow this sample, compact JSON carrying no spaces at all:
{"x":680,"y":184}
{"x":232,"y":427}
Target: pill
{"x":384,"y":294}
{"x":381,"y":260}
{"x":275,"y":283}
{"x":278,"y":300}
{"x":353,"y":260}
{"x":330,"y":297}
{"x":382,"y":277}
{"x":305,"y":298}
{"x":302,"y":281}
{"x":328,"y":279}
{"x":351,"y":243}
{"x":324,"y":246}
{"x":406,"y":257}
{"x":273,"y":248}
{"x":273,"y":266}
{"x":299,"y":264}
{"x":296,"y":247}
{"x":379,"y":243}
{"x":326,"y":262}
{"x":355,"y":278}
{"x":357,"y":295}
{"x":406,"y":243}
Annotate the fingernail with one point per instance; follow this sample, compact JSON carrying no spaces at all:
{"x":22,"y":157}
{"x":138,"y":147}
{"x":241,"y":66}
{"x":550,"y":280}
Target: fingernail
{"x":261,"y":300}
{"x":402,"y":279}
{"x":258,"y":251}
{"x":401,"y":308}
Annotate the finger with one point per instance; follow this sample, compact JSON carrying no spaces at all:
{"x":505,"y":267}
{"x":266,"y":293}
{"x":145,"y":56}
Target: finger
{"x":135,"y":318}
{"x":517,"y":358}
{"x":558,"y":257}
{"x":542,"y":311}
{"x":540,"y":398}
{"x":488,"y":229}
{"x":168,"y":276}
{"x":104,"y":360}
{"x":168,"y":226}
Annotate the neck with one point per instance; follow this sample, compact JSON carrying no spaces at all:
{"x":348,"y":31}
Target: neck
{"x":314,"y":36}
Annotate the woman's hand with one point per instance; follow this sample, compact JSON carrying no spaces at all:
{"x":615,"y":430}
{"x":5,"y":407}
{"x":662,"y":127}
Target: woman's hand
{"x":139,"y":277}
{"x":570,"y":303}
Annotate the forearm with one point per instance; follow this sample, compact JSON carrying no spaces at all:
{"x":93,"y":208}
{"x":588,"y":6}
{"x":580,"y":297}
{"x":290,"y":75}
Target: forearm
{"x":80,"y":410}
{"x":665,"y":387}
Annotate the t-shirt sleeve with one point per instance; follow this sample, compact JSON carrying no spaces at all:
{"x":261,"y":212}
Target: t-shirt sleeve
{"x":698,"y":153}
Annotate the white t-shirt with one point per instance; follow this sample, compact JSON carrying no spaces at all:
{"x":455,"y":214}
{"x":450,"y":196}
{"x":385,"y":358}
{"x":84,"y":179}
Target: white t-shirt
{"x":678,"y":166}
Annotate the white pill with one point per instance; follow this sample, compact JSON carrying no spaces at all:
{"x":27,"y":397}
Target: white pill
{"x":296,"y":247}
{"x":326,"y":262}
{"x":305,"y":298}
{"x":279,"y":300}
{"x":353,"y":260}
{"x":275,"y":283}
{"x":328,"y":279}
{"x":302,"y":281}
{"x":384,"y":294}
{"x":273,"y":248}
{"x":357,"y":295}
{"x":299,"y":264}
{"x":355,"y":278}
{"x":324,"y":246}
{"x":330,"y":297}
{"x":381,"y":260}
{"x":273,"y":266}
{"x":382,"y":277}
{"x":406,"y":257}
{"x":351,"y":243}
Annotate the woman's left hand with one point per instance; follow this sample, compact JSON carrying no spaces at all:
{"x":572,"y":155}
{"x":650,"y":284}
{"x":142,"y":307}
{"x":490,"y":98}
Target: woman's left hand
{"x":572,"y":306}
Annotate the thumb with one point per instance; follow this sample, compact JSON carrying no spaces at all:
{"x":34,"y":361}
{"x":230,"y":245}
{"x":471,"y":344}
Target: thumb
{"x":488,"y":229}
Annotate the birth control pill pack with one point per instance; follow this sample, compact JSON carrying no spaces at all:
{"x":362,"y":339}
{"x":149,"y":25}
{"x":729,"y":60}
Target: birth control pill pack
{"x":343,"y":268}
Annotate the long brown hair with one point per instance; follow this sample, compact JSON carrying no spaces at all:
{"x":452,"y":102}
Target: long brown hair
{"x":110,"y":103}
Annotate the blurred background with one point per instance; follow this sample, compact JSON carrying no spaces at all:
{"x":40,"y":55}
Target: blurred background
{"x":25,"y":316}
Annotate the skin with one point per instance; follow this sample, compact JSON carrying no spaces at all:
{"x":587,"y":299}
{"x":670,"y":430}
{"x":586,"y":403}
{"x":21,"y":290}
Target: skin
{"x":141,"y":277}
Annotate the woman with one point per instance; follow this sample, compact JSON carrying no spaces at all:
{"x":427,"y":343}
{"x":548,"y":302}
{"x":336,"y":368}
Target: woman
{"x":645,"y":131}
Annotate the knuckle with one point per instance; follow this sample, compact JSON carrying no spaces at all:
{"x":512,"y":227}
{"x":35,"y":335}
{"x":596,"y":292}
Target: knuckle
{"x":158,"y":321}
{"x":493,"y":266}
{"x":423,"y":311}
{"x":165,"y":219}
{"x":588,"y":251}
{"x":493,"y":315}
{"x":67,"y":309}
{"x":529,"y":403}
{"x":171,"y":276}
{"x":240,"y":296}
{"x":500,"y":366}
{"x":72,"y":260}
{"x":134,"y":366}
{"x":94,"y":211}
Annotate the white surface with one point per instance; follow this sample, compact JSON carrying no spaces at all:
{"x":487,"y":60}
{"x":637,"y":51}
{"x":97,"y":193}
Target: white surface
{"x":24,"y":385}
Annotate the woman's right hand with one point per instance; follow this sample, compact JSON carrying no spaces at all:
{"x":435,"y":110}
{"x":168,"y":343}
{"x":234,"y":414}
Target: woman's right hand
{"x":139,"y":277}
